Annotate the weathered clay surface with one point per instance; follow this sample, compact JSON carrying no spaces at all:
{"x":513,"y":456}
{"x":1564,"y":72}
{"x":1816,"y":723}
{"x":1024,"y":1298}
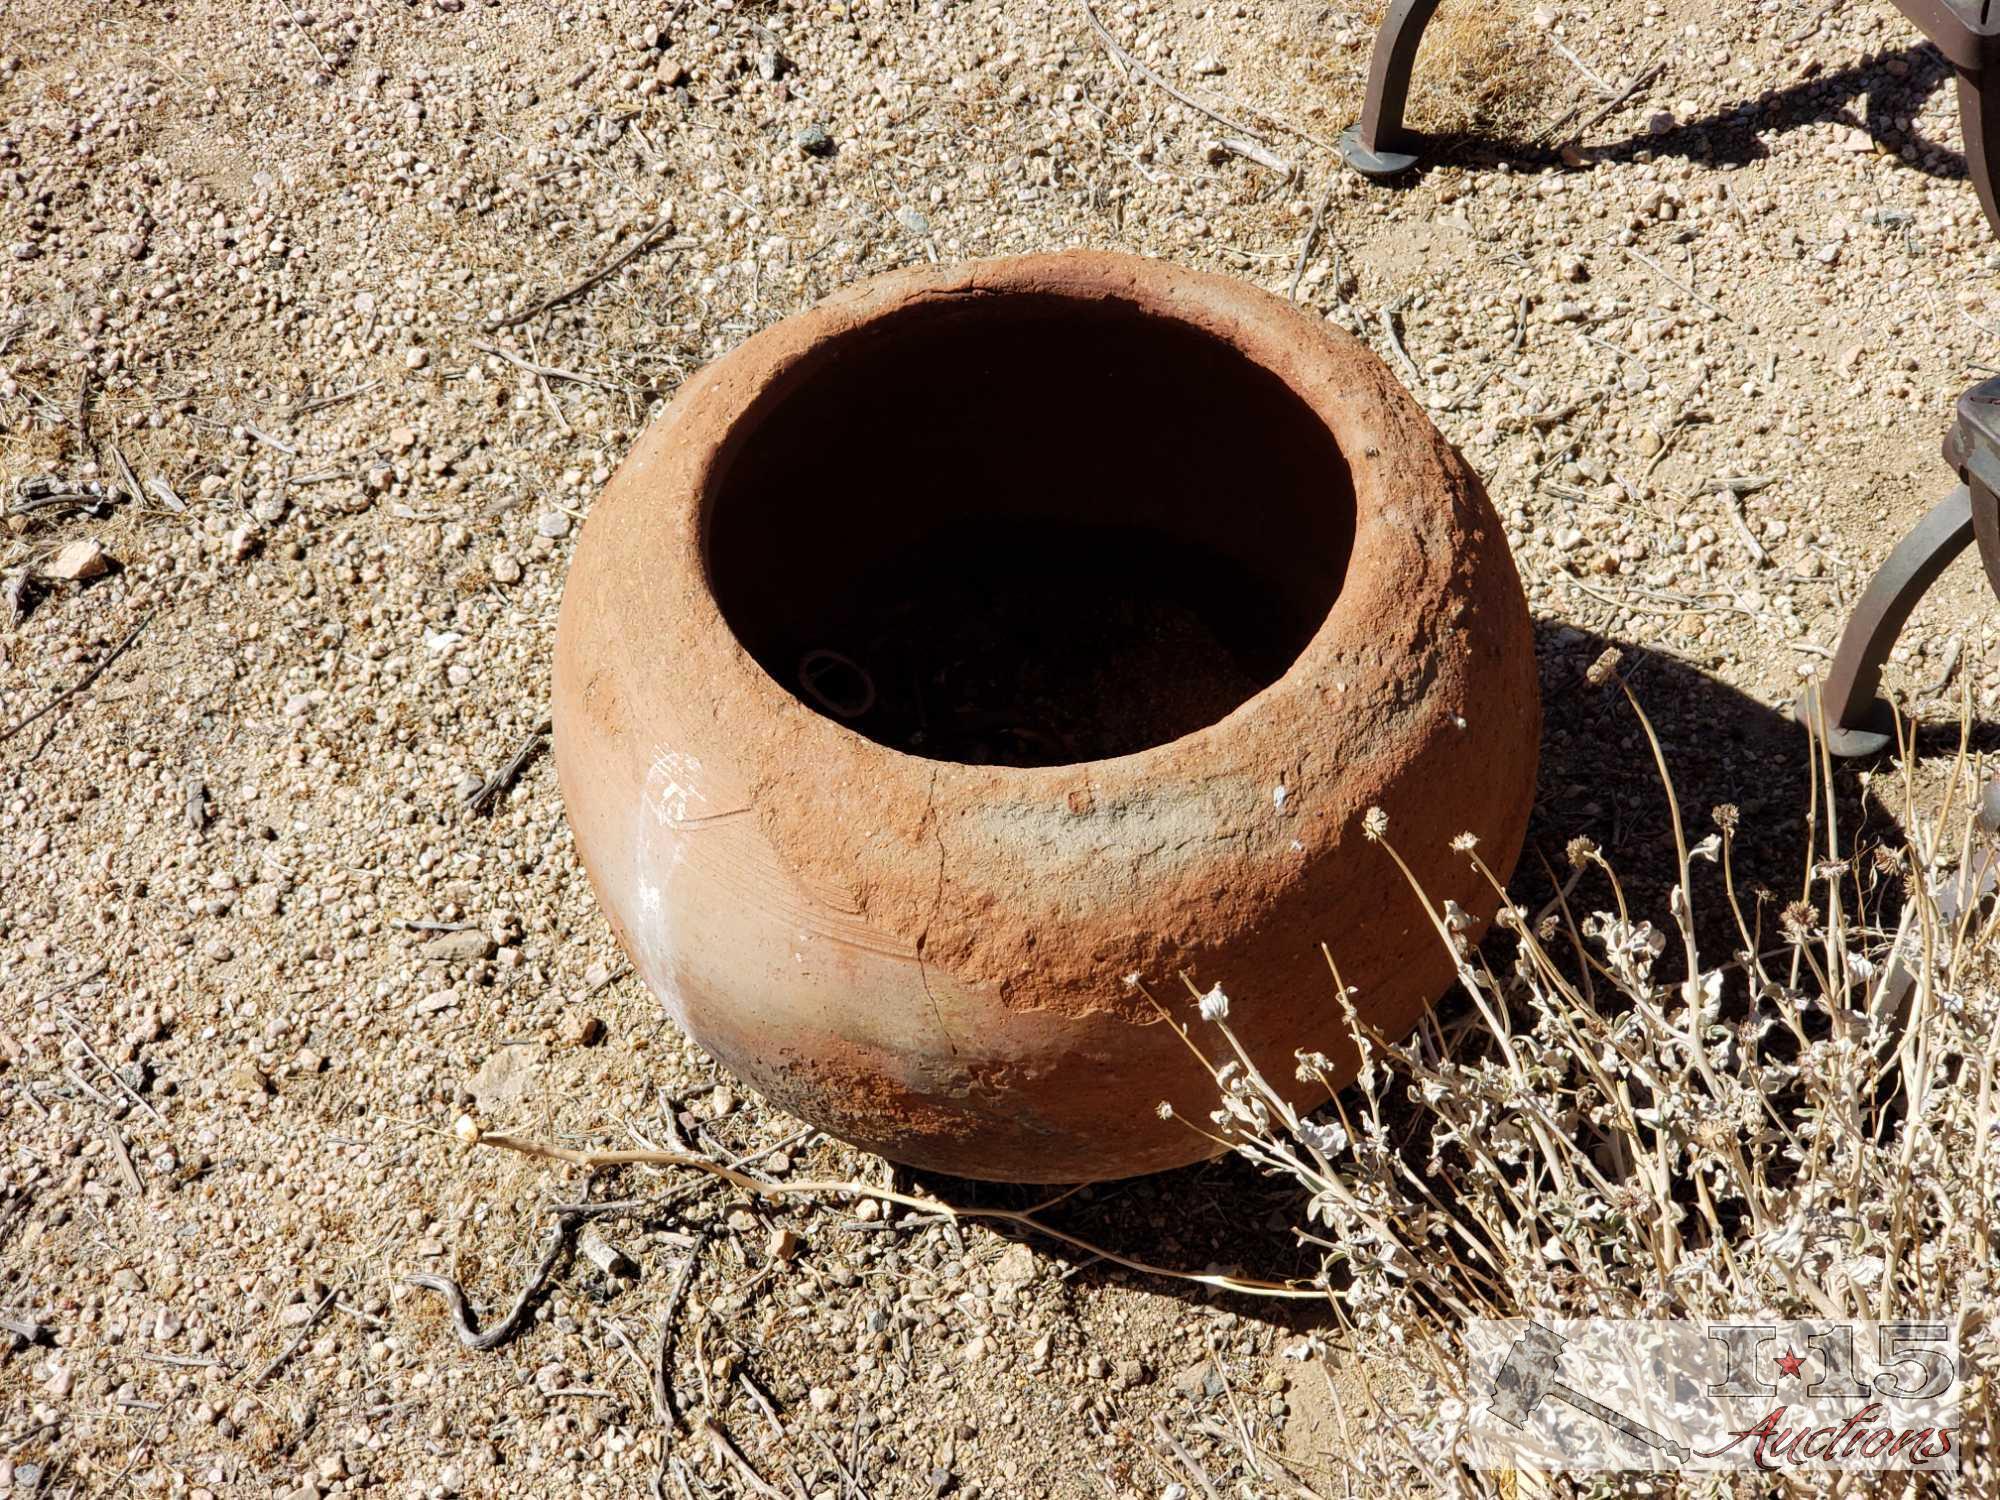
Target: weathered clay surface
{"x":929,"y":958}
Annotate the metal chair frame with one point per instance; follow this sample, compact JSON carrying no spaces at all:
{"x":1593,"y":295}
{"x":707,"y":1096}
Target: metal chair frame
{"x":1847,"y":705}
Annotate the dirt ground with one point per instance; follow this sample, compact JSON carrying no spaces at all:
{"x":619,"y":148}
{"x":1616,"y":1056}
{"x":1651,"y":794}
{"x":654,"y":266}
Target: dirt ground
{"x":258,"y":953}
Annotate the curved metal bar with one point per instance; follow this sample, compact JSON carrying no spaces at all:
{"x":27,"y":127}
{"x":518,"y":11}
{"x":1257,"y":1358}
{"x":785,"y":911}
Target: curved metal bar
{"x":1981,"y":125}
{"x":1844,"y":707}
{"x":1380,"y":145}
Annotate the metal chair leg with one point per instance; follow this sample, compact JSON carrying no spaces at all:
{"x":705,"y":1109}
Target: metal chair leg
{"x":1380,"y":145}
{"x":1986,"y":530}
{"x":1844,"y":707}
{"x":1981,"y":127}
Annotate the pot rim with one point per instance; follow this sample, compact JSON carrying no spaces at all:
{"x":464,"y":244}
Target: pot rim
{"x":739,"y":390}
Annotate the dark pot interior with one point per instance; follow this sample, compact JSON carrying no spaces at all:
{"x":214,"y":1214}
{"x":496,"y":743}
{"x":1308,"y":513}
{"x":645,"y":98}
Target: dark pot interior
{"x":1028,"y":530}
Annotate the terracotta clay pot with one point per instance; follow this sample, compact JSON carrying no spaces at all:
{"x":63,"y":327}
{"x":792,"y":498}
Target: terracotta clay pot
{"x":986,"y":635}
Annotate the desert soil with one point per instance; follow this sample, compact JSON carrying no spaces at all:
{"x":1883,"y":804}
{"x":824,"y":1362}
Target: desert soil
{"x":297,"y":515}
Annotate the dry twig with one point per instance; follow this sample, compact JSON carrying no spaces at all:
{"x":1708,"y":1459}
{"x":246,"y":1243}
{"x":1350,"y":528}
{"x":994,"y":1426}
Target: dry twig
{"x":593,"y":1159}
{"x":297,"y":1339}
{"x":487,"y":795}
{"x":97,"y":1057}
{"x":1312,"y":236}
{"x":611,"y":268}
{"x":725,"y":1448}
{"x":70,"y":692}
{"x":1132,"y":67}
{"x":545,"y":372}
{"x":1673,"y":281}
{"x":661,"y":1370}
{"x":454,"y":1295}
{"x":1641,"y":79}
{"x":1260,"y":154}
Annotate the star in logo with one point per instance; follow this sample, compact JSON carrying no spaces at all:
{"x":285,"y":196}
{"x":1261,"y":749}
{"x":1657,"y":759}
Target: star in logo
{"x":1790,"y":1363}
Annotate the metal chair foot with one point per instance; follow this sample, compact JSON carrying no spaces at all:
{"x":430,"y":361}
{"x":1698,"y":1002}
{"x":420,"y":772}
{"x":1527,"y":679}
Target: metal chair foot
{"x":1843,"y":742}
{"x":1844,"y":707}
{"x":1371,"y":146}
{"x":1372,"y":163}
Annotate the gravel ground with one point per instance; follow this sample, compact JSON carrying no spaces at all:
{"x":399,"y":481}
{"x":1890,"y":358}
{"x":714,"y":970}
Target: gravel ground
{"x":302,"y":395}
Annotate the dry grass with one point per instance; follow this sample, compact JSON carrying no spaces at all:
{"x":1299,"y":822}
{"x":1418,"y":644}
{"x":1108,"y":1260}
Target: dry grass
{"x":1791,"y":1131}
{"x":1482,"y":69}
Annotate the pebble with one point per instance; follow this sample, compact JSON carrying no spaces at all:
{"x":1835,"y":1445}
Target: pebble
{"x":467,"y":946}
{"x":581,"y":1030}
{"x":553,"y":1377}
{"x":607,"y":1257}
{"x":1127,"y":1374}
{"x":79,"y":562}
{"x":506,"y":568}
{"x":1016,"y":1266}
{"x":552,"y":524}
{"x":1199,"y":1380}
{"x":261,"y":900}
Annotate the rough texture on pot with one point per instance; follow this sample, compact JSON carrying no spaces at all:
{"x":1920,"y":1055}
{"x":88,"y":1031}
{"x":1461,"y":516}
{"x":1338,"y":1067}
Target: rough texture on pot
{"x":934,"y":959}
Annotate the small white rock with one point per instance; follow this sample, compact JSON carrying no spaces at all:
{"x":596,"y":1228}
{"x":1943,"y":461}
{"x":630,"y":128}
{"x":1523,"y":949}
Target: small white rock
{"x":1015,"y":1267}
{"x":80,"y":561}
